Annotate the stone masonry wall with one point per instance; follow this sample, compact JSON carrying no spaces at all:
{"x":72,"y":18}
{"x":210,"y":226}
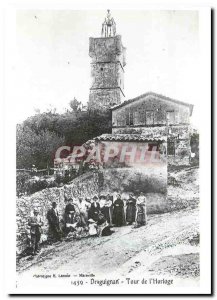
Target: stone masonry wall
{"x":103,"y":98}
{"x":179,"y":134}
{"x":86,"y":185}
{"x":107,"y":72}
{"x":153,"y":181}
{"x":104,"y":75}
{"x":176,"y":131}
{"x":151,"y":103}
{"x":107,"y":49}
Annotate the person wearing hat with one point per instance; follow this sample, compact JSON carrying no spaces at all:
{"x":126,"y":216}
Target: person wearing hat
{"x":94,"y":209}
{"x":102,"y":201}
{"x":70,"y":208}
{"x":69,"y":216}
{"x":106,"y":209}
{"x":83,"y":206}
{"x":88,"y":202}
{"x":35,"y":224}
{"x":131,"y":209}
{"x":141,"y":214}
{"x":118,"y":217}
{"x":53,"y":221}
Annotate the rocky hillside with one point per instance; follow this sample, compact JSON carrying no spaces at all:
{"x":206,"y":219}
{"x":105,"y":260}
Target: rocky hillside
{"x":183,"y":188}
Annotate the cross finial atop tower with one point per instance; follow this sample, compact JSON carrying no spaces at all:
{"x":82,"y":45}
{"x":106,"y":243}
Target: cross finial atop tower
{"x":108,"y":26}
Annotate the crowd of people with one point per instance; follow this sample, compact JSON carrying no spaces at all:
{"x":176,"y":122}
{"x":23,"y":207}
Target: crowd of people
{"x":89,"y":217}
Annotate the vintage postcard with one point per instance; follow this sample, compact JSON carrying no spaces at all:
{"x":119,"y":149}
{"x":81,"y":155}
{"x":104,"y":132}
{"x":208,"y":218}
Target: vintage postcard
{"x":111,"y":108}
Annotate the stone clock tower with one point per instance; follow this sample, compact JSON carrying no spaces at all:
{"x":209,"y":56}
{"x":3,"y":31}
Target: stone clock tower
{"x":107,"y":67}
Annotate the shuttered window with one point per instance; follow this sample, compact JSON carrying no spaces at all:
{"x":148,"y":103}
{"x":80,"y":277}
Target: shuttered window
{"x":170,"y":115}
{"x":127,"y":117}
{"x":149,"y":116}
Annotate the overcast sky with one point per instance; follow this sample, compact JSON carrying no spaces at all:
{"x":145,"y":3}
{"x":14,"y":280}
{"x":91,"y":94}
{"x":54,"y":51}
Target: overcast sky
{"x":53,"y":65}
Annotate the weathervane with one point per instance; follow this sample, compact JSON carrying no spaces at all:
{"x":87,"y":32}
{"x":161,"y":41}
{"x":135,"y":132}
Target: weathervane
{"x":108,"y":26}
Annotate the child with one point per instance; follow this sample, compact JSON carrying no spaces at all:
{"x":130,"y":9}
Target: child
{"x":93,"y":228}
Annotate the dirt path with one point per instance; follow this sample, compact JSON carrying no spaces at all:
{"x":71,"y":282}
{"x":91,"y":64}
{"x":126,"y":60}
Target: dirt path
{"x":107,"y":254}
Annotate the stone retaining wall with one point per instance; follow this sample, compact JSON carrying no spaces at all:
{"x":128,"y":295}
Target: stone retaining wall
{"x":86,"y":185}
{"x":153,"y":182}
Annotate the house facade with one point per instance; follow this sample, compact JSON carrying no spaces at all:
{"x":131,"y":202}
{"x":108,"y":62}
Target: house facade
{"x":152,"y":115}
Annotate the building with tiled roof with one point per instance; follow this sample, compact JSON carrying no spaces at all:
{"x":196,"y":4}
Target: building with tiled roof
{"x":147,"y":117}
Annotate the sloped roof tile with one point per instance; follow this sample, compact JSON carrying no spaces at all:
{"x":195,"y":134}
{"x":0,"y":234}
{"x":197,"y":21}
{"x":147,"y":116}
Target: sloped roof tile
{"x":128,"y":137}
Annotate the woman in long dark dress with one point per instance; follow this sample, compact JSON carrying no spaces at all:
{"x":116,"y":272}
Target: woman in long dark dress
{"x":131,"y":210}
{"x":106,"y":210}
{"x":94,"y":209}
{"x":118,"y":212}
{"x":141,"y":214}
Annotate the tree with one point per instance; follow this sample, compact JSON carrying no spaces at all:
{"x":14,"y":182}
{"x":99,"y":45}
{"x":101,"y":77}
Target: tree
{"x":74,"y":104}
{"x":39,"y":136}
{"x":36,"y":148}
